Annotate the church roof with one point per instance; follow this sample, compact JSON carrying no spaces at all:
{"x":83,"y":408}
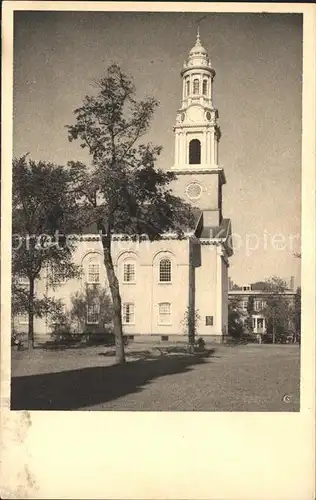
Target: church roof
{"x":221,"y":232}
{"x":198,"y":219}
{"x":197,"y":213}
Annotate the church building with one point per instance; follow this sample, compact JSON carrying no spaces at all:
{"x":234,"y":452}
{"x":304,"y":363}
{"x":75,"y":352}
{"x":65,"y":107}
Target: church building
{"x":161,"y":281}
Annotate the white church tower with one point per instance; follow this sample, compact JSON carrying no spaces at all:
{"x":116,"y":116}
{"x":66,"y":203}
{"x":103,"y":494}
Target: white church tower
{"x":197,"y":134}
{"x":199,"y":181}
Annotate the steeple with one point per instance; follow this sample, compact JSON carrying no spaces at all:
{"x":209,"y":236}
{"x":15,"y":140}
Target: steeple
{"x":197,"y":116}
{"x":198,"y":49}
{"x":197,"y":135}
{"x":198,"y":35}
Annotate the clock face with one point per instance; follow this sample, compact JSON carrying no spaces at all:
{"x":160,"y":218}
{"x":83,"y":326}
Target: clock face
{"x":195,"y":114}
{"x":193,"y":191}
{"x":208,"y":115}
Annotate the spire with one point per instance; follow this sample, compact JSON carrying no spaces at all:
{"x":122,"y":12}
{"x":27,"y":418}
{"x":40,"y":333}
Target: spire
{"x":198,"y":49}
{"x":198,"y":40}
{"x":198,"y":56}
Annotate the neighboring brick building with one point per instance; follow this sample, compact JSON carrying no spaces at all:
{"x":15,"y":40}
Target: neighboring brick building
{"x":260,"y":294}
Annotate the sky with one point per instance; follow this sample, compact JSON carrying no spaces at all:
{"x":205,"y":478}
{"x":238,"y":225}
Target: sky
{"x":257,"y":90}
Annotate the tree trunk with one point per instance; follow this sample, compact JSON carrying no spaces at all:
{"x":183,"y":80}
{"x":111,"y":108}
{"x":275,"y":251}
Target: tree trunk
{"x":191,"y":326}
{"x":31,"y":316}
{"x":116,"y":299}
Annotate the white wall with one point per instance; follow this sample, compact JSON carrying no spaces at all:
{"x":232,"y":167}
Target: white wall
{"x":207,"y":301}
{"x":146,"y":293}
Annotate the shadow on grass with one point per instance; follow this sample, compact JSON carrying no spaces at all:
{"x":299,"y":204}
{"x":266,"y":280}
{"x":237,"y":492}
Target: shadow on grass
{"x":155,"y":352}
{"x":75,"y":389}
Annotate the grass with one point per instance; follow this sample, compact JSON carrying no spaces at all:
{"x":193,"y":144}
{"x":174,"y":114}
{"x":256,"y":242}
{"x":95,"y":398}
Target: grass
{"x":240,"y":378}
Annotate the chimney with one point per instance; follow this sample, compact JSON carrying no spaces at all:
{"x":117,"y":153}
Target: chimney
{"x":292,"y":283}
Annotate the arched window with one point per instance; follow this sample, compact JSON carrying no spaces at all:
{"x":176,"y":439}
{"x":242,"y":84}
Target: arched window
{"x":204,"y":87}
{"x":196,"y":86}
{"x":93,"y":271}
{"x":194,"y":152}
{"x":188,"y":87}
{"x":129,"y":271}
{"x":165,"y":271}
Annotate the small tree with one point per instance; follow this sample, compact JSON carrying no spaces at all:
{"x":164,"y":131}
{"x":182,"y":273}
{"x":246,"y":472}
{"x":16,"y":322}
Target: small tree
{"x":190,"y":324}
{"x":75,"y":321}
{"x":124,"y":192}
{"x":235,"y":322}
{"x":297,"y":313}
{"x":93,"y":295}
{"x":250,"y":312}
{"x":42,"y":204}
{"x":277,"y":310}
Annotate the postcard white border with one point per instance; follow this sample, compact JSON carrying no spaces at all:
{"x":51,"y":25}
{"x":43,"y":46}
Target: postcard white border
{"x":163,"y":455}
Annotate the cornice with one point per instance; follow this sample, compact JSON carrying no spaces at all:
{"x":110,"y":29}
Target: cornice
{"x":205,"y":67}
{"x":126,"y":237}
{"x":198,"y":170}
{"x":197,"y":125}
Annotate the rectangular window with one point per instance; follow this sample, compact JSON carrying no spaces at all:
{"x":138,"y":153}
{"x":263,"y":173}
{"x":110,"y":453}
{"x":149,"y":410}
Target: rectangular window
{"x":164,"y":316}
{"x":244,"y":305}
{"x":129,"y":273}
{"x":209,"y":320}
{"x":196,"y":86}
{"x":165,"y":271}
{"x":93,"y":313}
{"x":259,"y":305}
{"x":94,"y":273}
{"x":128,"y":313}
{"x":23,"y":319}
{"x":204,"y":87}
{"x":23,"y":280}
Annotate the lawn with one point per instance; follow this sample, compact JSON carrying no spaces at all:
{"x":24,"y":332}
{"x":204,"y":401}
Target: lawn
{"x":239,"y":378}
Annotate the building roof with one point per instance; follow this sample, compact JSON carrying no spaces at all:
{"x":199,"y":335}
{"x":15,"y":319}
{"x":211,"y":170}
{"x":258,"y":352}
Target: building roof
{"x":259,"y":293}
{"x":197,"y":215}
{"x":221,"y":233}
{"x":260,"y":285}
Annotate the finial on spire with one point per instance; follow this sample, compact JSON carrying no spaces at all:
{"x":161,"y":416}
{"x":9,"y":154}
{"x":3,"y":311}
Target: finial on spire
{"x":198,"y":22}
{"x":198,"y":40}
